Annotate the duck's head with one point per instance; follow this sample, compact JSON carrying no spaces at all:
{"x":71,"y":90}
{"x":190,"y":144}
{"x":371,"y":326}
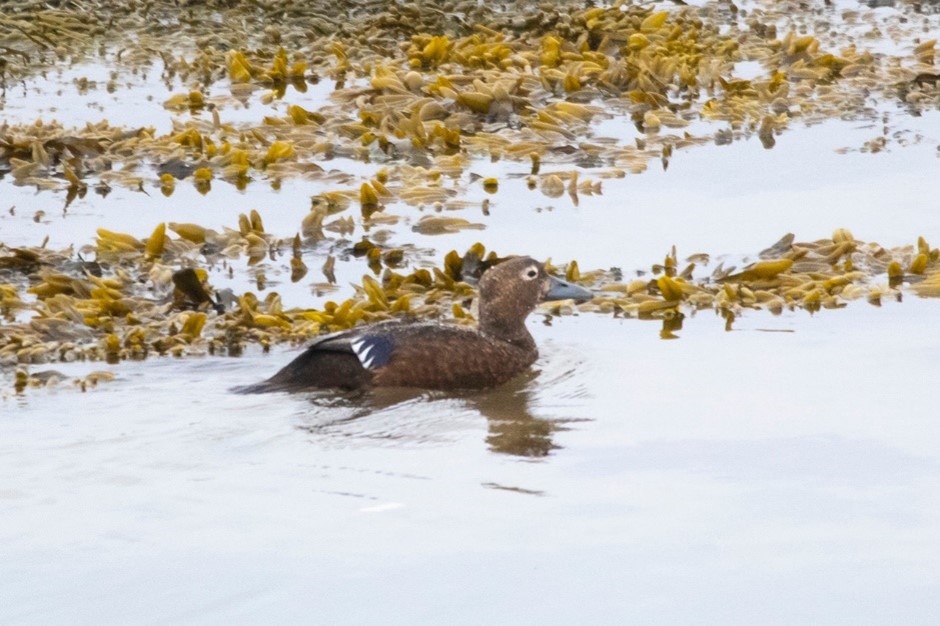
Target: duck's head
{"x":510,"y":291}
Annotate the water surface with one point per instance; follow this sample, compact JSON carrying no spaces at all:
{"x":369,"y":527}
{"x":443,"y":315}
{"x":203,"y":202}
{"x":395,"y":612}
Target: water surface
{"x":785,"y":471}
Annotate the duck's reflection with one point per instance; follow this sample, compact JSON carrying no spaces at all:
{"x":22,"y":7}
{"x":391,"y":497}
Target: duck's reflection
{"x":512,"y":427}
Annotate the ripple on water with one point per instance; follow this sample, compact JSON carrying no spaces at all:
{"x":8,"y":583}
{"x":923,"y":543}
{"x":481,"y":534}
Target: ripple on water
{"x":519,"y":418}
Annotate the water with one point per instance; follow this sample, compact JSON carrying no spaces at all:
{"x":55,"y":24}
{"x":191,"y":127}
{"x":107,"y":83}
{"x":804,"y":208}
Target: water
{"x":784,"y":471}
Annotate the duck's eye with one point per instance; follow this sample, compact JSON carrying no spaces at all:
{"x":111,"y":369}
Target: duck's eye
{"x":531,"y":273}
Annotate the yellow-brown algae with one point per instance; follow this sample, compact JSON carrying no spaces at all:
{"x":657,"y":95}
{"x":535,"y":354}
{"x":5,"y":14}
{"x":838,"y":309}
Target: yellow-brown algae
{"x":446,"y":79}
{"x":443,"y":93}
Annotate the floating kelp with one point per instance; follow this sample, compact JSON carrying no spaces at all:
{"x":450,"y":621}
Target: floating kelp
{"x":420,"y":98}
{"x":52,"y":378}
{"x":130,"y":303}
{"x":464,"y":79}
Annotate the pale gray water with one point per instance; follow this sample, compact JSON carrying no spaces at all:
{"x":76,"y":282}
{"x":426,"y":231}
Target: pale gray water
{"x":751,"y":476}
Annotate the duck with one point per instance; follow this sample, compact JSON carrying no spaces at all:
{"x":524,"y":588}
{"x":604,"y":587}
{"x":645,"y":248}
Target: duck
{"x":434,"y":355}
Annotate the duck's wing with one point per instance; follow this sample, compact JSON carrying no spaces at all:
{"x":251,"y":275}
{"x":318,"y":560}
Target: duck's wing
{"x":345,"y":359}
{"x":372,"y":345}
{"x":373,"y":350}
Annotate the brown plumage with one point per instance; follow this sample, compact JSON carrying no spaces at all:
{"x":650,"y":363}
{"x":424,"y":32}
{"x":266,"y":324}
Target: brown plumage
{"x":431,"y":355}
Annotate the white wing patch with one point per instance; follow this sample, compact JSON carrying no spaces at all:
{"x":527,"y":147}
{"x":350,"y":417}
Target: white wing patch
{"x":373,"y":351}
{"x":363,"y":352}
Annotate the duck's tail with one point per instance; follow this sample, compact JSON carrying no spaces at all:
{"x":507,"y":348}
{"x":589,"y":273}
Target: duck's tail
{"x":265,"y":386}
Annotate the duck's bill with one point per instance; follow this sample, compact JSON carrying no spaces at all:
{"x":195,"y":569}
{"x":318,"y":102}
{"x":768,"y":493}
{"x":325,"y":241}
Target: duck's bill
{"x":562,"y":290}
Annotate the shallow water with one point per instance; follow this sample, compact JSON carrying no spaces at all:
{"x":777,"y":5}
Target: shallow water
{"x":783,"y":471}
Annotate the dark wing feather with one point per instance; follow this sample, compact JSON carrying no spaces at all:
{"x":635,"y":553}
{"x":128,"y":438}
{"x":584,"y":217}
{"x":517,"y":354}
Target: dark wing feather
{"x":373,"y":351}
{"x":345,"y":360}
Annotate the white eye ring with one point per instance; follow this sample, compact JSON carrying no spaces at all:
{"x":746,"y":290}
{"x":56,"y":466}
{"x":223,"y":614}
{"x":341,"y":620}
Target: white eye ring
{"x":530,"y":273}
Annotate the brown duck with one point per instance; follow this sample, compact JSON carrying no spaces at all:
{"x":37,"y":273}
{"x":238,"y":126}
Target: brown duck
{"x":431,"y":355}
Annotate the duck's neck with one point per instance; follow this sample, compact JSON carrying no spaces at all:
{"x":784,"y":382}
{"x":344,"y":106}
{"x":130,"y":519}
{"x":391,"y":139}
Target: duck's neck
{"x":499,"y":323}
